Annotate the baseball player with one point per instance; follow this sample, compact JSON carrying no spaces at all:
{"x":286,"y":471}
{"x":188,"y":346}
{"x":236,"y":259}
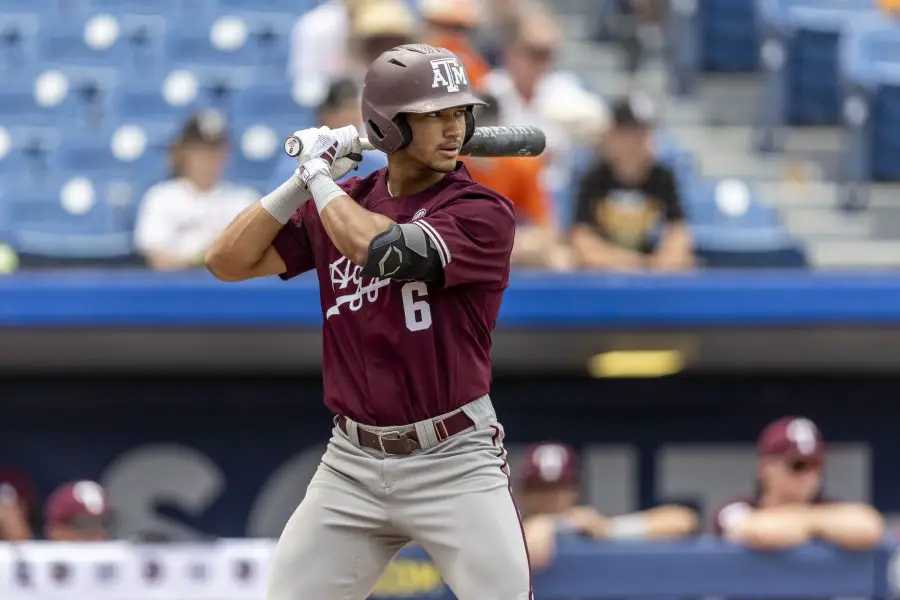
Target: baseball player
{"x":549,"y":495}
{"x":789,"y":507}
{"x":78,"y":511}
{"x":412,"y":262}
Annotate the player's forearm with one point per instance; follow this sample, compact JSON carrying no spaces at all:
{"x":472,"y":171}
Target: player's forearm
{"x":352,"y":228}
{"x":540,"y":537}
{"x":668,"y":521}
{"x":238,"y":251}
{"x":773,"y":528}
{"x":852,"y":526}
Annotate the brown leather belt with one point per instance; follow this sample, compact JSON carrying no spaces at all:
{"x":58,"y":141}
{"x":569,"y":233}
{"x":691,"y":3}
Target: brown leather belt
{"x":399,"y":443}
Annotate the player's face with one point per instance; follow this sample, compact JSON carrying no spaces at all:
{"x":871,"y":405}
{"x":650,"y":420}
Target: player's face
{"x":792,"y":479}
{"x":80,"y":529}
{"x":549,"y":501}
{"x":437,"y":138}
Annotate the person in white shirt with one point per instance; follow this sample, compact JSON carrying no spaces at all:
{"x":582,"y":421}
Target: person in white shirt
{"x":179,"y":218}
{"x":531,"y":90}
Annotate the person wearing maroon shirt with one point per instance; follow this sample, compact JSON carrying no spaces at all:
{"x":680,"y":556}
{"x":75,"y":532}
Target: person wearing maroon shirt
{"x":550,"y":500}
{"x":789,"y":507}
{"x":412,"y":262}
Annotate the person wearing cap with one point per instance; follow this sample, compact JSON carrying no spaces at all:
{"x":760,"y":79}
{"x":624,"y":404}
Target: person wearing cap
{"x":78,"y":511}
{"x":519,"y":179}
{"x":789,"y":506}
{"x":449,"y":24}
{"x":629,"y":215}
{"x":178,"y":219}
{"x":17,"y":500}
{"x":376,"y":27}
{"x":340,"y":108}
{"x":549,"y":499}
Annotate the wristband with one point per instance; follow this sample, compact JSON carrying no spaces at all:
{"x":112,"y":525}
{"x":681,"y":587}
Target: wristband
{"x":628,"y":527}
{"x":284,"y":201}
{"x":323,"y":190}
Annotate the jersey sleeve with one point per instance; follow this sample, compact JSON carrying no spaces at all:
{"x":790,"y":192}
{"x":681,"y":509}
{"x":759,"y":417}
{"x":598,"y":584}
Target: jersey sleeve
{"x":474,"y":237}
{"x":730,"y":515}
{"x":294,"y":245}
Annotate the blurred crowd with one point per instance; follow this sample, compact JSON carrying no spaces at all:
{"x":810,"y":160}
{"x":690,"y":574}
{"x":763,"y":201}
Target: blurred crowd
{"x":625,"y":213}
{"x":785,"y":504}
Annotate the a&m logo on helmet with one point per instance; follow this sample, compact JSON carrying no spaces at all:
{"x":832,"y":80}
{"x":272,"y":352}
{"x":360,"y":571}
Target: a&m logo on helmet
{"x":448,"y":73}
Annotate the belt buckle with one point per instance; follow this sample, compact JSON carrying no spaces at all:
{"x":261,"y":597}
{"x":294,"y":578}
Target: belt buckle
{"x":392,"y":436}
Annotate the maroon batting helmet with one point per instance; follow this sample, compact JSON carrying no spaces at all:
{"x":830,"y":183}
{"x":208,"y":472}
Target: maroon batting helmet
{"x":413,"y":78}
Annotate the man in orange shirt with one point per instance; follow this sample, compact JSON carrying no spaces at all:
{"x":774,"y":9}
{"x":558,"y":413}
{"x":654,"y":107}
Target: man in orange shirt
{"x":449,"y":24}
{"x":519,"y":179}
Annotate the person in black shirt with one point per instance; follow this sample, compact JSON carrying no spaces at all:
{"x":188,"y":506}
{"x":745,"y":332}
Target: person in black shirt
{"x":629,"y":215}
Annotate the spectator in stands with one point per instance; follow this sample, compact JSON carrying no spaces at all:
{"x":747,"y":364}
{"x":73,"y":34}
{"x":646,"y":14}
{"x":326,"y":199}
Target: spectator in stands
{"x":532,"y":91}
{"x":378,"y":26}
{"x":549,"y":499}
{"x":519,"y":179}
{"x":629,"y":215}
{"x":341,"y":107}
{"x":78,"y":512}
{"x":17,"y":500}
{"x":320,"y":49}
{"x":179,"y":218}
{"x":450,"y":24}
{"x":789,"y":506}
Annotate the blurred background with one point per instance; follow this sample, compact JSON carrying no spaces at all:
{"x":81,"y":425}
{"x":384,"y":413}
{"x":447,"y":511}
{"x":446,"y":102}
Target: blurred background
{"x":709,"y":243}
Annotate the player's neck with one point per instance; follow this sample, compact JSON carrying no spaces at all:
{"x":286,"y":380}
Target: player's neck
{"x":405,"y":179}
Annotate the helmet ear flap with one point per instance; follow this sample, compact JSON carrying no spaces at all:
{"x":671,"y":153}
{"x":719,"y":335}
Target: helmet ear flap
{"x":470,"y":123}
{"x":405,"y":131}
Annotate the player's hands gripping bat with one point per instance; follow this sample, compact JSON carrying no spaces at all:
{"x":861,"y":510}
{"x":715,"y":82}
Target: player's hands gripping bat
{"x":486,"y":142}
{"x":330,"y":152}
{"x":339,"y":149}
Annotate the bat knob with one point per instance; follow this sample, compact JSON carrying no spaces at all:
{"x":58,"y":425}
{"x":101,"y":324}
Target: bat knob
{"x":293,"y":146}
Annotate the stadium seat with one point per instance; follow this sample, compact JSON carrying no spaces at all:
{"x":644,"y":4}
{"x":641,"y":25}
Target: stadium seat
{"x":733,"y":227}
{"x":18,"y":41}
{"x":256,"y":149}
{"x":275,"y":102}
{"x":47,"y":98}
{"x":75,"y":218}
{"x":870,"y":72}
{"x":799,"y":58}
{"x":729,"y":38}
{"x":129,"y":150}
{"x":257,"y":40}
{"x":177,"y":95}
{"x":25,"y":151}
{"x":289,"y":7}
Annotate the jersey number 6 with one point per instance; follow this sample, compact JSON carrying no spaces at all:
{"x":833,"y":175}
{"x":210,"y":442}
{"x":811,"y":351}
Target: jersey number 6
{"x":416,"y":312}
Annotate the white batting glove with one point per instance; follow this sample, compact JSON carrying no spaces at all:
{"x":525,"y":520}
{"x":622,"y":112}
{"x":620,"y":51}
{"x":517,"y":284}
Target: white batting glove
{"x":348,"y":163}
{"x":313,"y":168}
{"x":308,"y":138}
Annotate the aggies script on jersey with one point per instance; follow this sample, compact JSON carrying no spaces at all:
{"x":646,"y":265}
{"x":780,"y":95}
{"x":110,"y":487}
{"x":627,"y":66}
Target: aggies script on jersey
{"x":396,"y":352}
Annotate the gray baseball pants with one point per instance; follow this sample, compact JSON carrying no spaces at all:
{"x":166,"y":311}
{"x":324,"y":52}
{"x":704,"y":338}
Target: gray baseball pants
{"x":452,"y":498}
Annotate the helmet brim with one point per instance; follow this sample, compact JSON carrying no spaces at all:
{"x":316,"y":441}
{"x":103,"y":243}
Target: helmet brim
{"x":443,"y":103}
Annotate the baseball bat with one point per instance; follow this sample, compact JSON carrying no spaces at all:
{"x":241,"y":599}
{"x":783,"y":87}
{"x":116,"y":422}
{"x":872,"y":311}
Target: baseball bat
{"x":485,"y":142}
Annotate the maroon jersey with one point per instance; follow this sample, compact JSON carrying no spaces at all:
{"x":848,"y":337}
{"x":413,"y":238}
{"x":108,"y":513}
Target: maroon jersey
{"x":396,"y":352}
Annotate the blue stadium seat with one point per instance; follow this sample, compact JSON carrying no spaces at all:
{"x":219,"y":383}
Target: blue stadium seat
{"x":130,"y":151}
{"x":257,"y":40}
{"x":273,"y":102}
{"x":799,"y":59}
{"x":870,"y":71}
{"x":257,"y":146}
{"x":174,"y":9}
{"x":289,"y":7}
{"x":732,"y":227}
{"x":178,"y":94}
{"x":75,"y":218}
{"x":729,"y":37}
{"x":18,"y":41}
{"x":45,"y":99}
{"x":55,"y":8}
{"x":25,"y":151}
{"x":670,"y":153}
